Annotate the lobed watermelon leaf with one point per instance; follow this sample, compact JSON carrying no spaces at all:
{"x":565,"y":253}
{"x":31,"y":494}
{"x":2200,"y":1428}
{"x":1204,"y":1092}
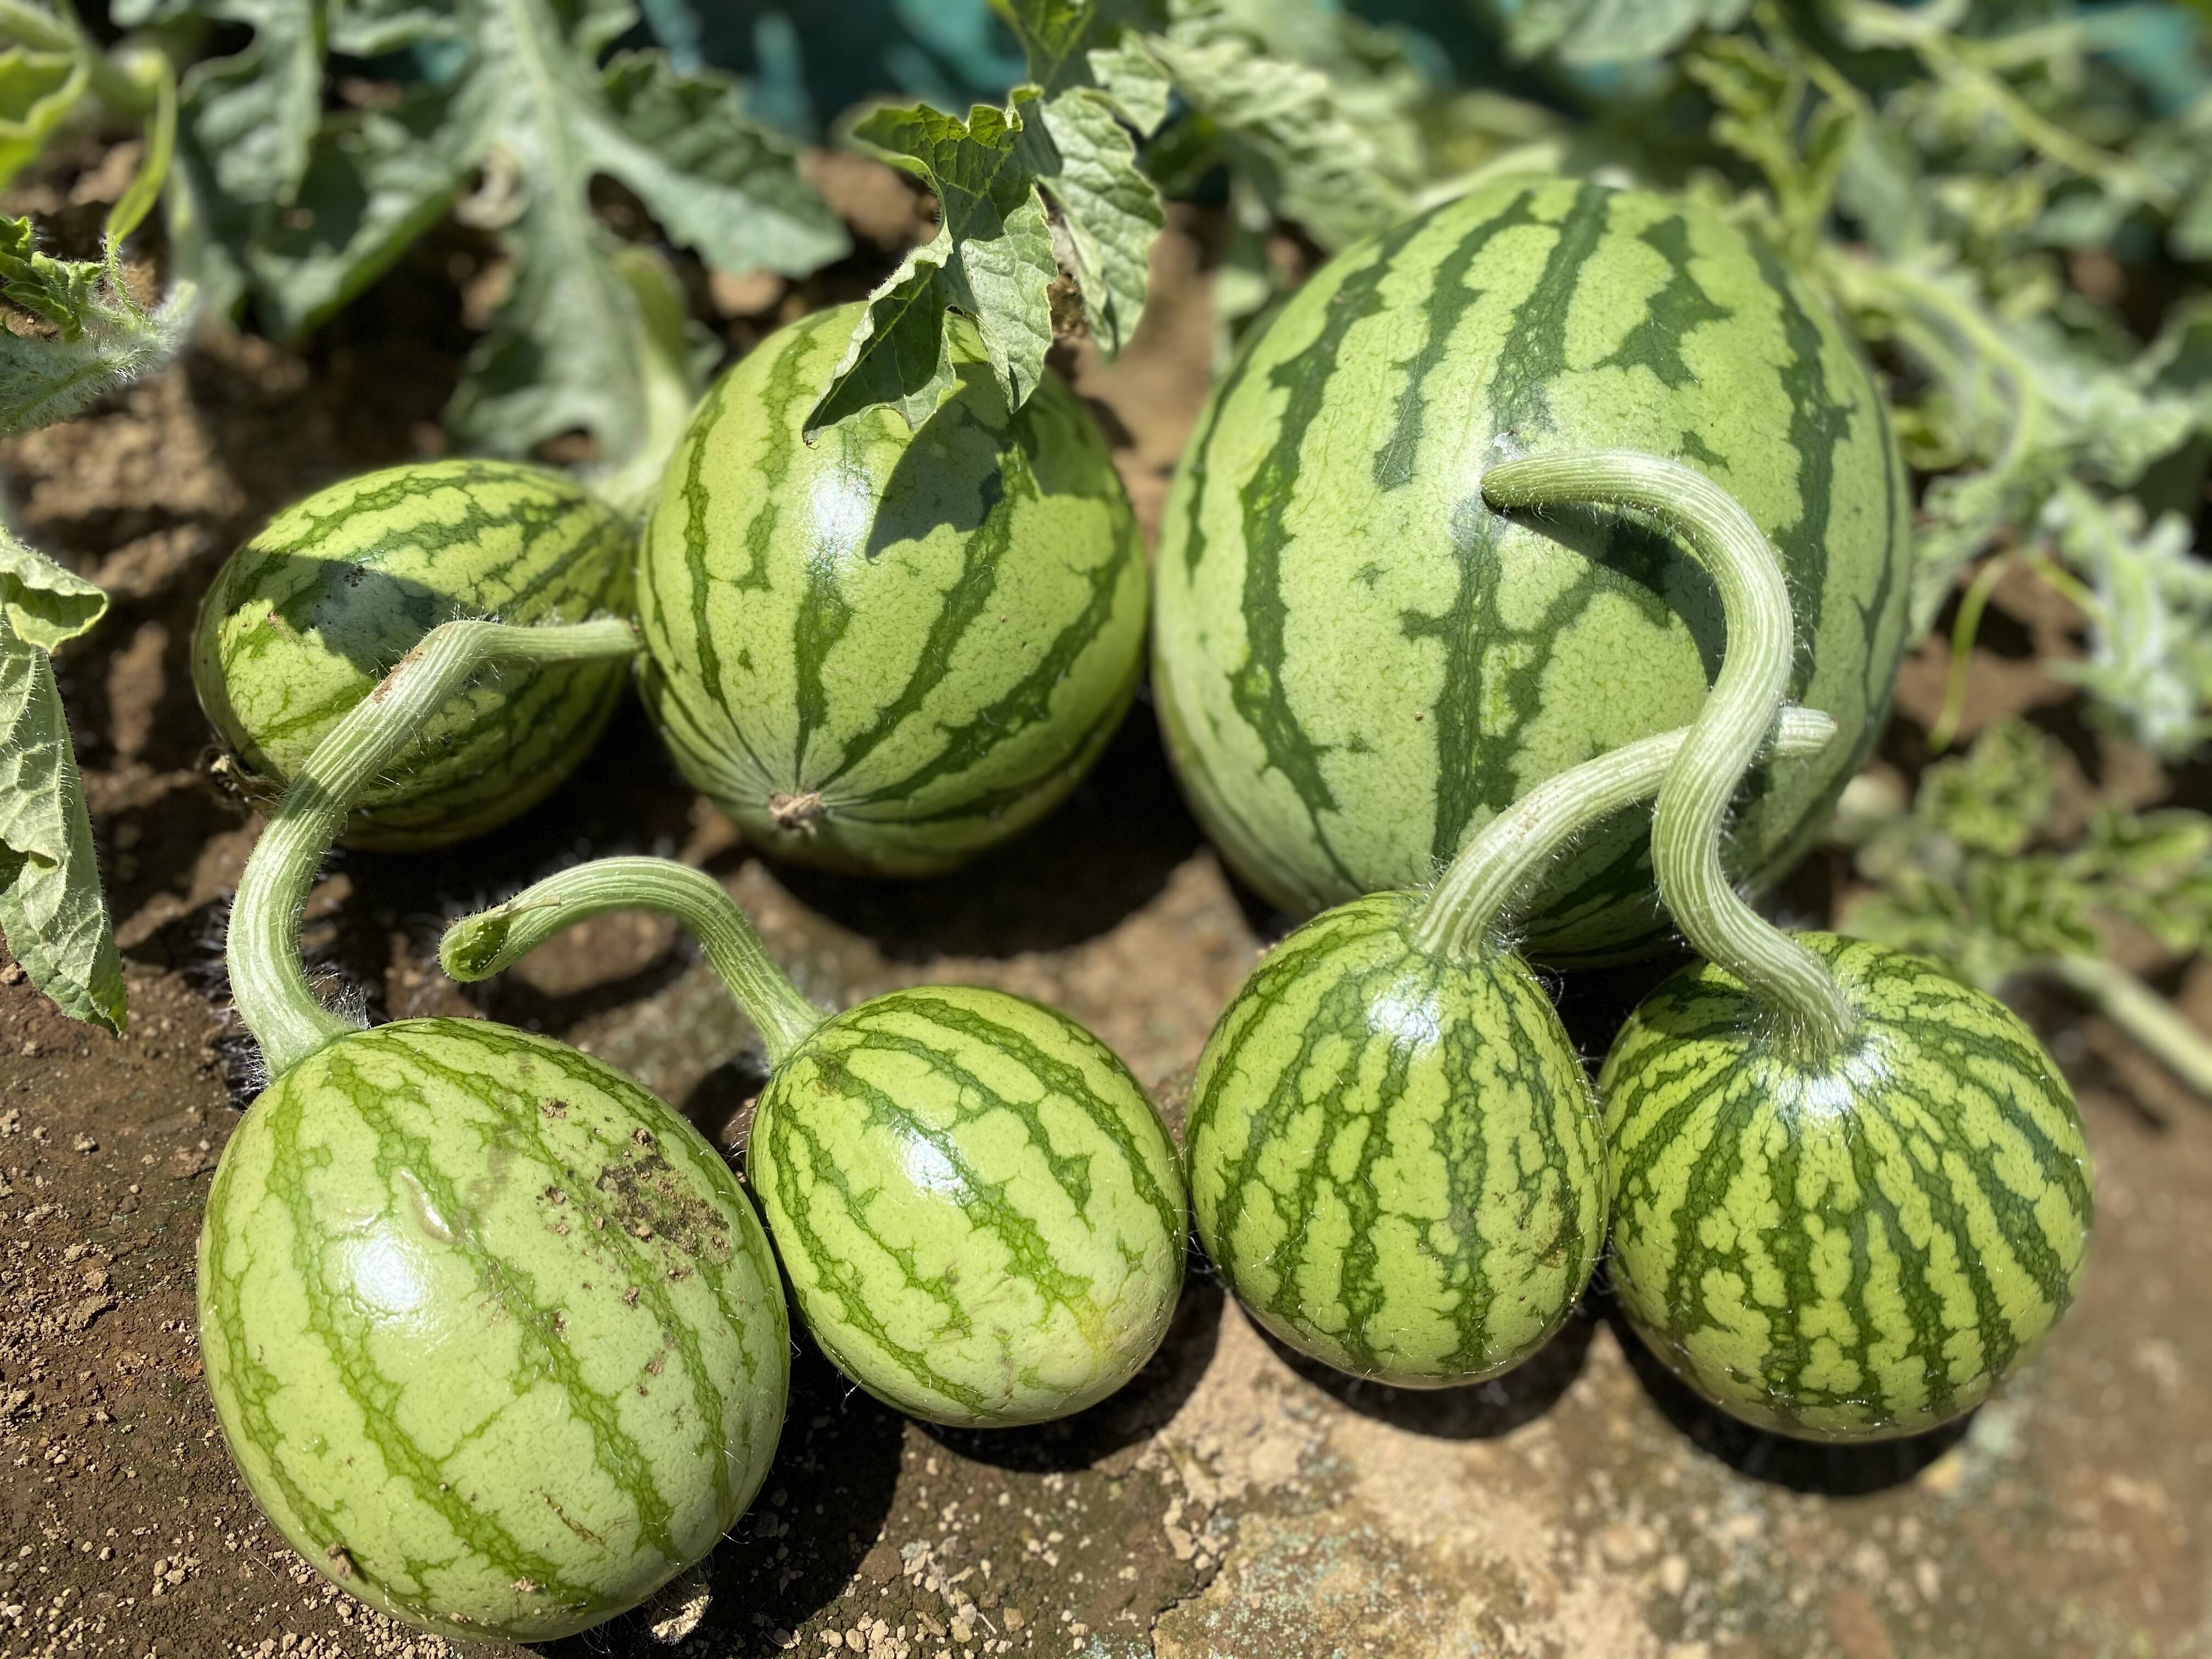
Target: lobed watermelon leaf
{"x":52,"y":915}
{"x":1050,"y":180}
{"x":565,"y":349}
{"x":1285,"y":126}
{"x":41,"y":82}
{"x":991,"y":259}
{"x":1613,"y":31}
{"x":1309,"y":112}
{"x":299,"y":206}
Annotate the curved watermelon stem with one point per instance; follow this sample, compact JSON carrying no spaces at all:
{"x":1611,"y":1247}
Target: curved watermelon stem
{"x":1495,"y":869}
{"x":268,"y":980}
{"x":1796,"y":989}
{"x":476,"y":947}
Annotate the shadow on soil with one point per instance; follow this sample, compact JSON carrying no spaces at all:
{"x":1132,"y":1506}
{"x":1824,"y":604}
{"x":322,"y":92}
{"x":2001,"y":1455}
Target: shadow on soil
{"x":1803,"y":1466}
{"x":624,"y":797}
{"x":1104,"y":851}
{"x":1132,"y":1415}
{"x":1477,"y":1411}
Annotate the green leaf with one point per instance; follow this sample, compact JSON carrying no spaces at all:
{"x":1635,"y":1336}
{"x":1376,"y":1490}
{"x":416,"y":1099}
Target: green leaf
{"x":1768,"y":114}
{"x":103,"y":339}
{"x":370,"y":28}
{"x":52,"y":913}
{"x":2150,"y":639}
{"x":375,"y":180}
{"x":1097,"y":85}
{"x":1997,"y":798}
{"x":1613,"y":31}
{"x":304,"y":207}
{"x":1964,"y":876}
{"x":991,"y":260}
{"x":2020,"y":401}
{"x":720,"y":184}
{"x":43,"y":603}
{"x":2154,"y":870}
{"x":250,"y":118}
{"x":567,"y":349}
{"x":1285,"y":126}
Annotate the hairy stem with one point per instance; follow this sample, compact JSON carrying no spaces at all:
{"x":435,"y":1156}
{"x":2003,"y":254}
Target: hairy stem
{"x":476,"y":947}
{"x":268,"y":980}
{"x":1811,"y":1015}
{"x":1496,"y":868}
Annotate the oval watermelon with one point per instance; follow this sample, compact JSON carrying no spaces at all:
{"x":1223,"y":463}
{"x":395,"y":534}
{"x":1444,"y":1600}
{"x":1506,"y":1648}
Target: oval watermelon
{"x":980,"y":1211}
{"x":891,"y":649}
{"x":307,"y":618}
{"x":1851,"y":1248}
{"x":1394,"y":1158}
{"x":495,"y":1337}
{"x":1358,"y":663}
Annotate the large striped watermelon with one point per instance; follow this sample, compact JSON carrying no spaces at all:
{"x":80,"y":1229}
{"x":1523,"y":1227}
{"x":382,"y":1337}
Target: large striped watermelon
{"x":1849,"y":1249}
{"x":1394,"y":1158}
{"x":893,"y":648}
{"x":1358,"y":662}
{"x":305,"y":619}
{"x":979,"y":1212}
{"x":496,"y":1338}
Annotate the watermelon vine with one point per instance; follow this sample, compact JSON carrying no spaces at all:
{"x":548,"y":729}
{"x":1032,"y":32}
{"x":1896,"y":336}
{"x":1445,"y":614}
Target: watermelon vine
{"x":493,"y":1336}
{"x":979,"y":1209}
{"x":1850,"y":1192}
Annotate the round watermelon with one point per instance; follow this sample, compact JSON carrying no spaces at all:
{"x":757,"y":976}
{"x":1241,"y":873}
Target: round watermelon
{"x":1394,"y":1158}
{"x":891,"y":648}
{"x":306,"y":620}
{"x":980,"y":1211}
{"x":495,"y":1337}
{"x":1848,"y":1246}
{"x":1358,"y":663}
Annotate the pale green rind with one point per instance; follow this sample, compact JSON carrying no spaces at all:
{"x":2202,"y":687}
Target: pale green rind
{"x":496,"y":1338}
{"x":1396,"y":1160}
{"x":979,"y":1210}
{"x":1358,"y":663}
{"x":305,"y":620}
{"x":1853,"y":1249}
{"x":891,"y":649}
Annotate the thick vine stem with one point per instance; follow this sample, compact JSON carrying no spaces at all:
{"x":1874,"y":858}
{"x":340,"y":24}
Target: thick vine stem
{"x":1811,"y":1015}
{"x":1501,"y":862}
{"x":2140,"y":1012}
{"x":476,"y":947}
{"x":268,"y":980}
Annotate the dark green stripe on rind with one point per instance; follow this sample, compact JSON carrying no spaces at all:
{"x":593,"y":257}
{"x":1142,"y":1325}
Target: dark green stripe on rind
{"x":1357,"y":664}
{"x":1396,"y":1161}
{"x":916,"y":634}
{"x":305,"y":619}
{"x":496,"y":1338}
{"x":1853,"y":1249}
{"x":979,"y":1212}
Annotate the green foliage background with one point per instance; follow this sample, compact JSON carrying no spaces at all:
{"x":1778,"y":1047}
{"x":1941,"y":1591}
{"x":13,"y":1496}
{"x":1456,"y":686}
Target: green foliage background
{"x":2009,"y":201}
